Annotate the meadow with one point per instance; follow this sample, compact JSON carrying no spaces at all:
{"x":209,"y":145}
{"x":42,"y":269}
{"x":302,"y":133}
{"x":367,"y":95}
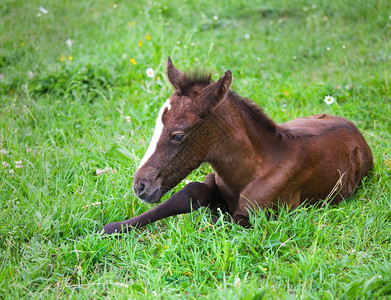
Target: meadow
{"x":77,"y":110}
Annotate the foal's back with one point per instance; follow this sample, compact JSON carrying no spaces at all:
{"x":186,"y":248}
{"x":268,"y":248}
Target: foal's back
{"x":331,"y":152}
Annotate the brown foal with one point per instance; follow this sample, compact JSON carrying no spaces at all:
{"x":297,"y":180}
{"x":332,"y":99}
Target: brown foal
{"x":258,"y":163}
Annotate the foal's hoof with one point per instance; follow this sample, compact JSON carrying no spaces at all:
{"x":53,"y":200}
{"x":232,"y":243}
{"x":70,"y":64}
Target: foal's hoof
{"x":111,"y":228}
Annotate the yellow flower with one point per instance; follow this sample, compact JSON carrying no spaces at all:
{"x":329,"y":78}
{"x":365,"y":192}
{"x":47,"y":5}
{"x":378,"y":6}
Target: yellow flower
{"x":131,"y":23}
{"x":63,"y":58}
{"x":133,"y":61}
{"x":22,"y":44}
{"x":70,"y":57}
{"x":148,"y":37}
{"x":140,"y":43}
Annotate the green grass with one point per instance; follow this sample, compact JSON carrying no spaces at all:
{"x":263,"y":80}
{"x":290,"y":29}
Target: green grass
{"x":62,"y":113}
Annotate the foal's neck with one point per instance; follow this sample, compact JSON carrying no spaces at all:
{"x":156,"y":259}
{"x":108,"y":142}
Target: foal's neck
{"x":247,"y":136}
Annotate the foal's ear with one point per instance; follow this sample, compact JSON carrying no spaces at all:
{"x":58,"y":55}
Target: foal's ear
{"x":176,"y":77}
{"x":216,"y":91}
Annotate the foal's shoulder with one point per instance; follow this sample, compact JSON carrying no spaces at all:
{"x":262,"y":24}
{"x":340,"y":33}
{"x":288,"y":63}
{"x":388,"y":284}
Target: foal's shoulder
{"x":316,"y":125}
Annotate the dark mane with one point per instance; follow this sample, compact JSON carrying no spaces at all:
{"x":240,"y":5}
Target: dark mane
{"x":195,"y":78}
{"x":254,"y":112}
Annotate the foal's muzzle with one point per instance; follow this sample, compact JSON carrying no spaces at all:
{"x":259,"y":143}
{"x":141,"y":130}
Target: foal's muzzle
{"x":147,"y":192}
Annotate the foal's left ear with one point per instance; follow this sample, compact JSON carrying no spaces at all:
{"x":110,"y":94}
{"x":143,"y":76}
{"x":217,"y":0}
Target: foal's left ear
{"x":176,"y":77}
{"x":216,"y":91}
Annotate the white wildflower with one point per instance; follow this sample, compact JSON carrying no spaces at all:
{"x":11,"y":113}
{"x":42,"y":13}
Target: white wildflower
{"x":380,"y":276}
{"x":127,"y":119}
{"x":215,"y":18}
{"x":3,"y":151}
{"x":328,"y":100}
{"x":115,"y":5}
{"x":69,"y":43}
{"x":5,"y":164}
{"x":154,"y":293}
{"x":150,"y":73}
{"x":328,"y":48}
{"x":92,"y":204}
{"x":106,"y":170}
{"x":18,"y":164}
{"x":247,"y":36}
{"x":121,"y":284}
{"x":43,"y":10}
{"x":11,"y":171}
{"x":120,"y":138}
{"x":237,"y":282}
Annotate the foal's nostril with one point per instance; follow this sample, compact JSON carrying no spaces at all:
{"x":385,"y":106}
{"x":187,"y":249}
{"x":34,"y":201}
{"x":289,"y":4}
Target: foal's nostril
{"x":139,"y":189}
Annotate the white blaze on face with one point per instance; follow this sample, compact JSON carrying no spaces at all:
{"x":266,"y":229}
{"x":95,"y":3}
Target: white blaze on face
{"x":156,"y":134}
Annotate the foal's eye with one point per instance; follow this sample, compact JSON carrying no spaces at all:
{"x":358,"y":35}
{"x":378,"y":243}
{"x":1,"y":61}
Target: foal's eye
{"x":177,"y":137}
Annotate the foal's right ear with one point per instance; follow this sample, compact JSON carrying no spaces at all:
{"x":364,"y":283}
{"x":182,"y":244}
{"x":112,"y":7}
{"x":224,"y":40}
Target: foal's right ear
{"x":176,"y":77}
{"x":216,"y":91}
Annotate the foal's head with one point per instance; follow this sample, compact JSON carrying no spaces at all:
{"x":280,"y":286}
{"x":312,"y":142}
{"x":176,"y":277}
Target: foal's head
{"x":179,"y":143}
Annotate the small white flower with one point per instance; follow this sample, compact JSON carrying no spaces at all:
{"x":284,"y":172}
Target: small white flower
{"x":154,"y":293}
{"x":43,"y":10}
{"x":3,"y":151}
{"x":328,"y":100}
{"x":11,"y":171}
{"x":69,"y":43}
{"x":115,"y":5}
{"x":124,"y":56}
{"x":328,"y":48}
{"x":150,"y":73}
{"x":101,"y":150}
{"x":380,"y":276}
{"x":31,"y":74}
{"x":28,"y":150}
{"x":18,"y":164}
{"x":127,"y":118}
{"x":99,"y":172}
{"x":92,"y":204}
{"x":215,"y":18}
{"x":237,"y":282}
{"x":121,"y":284}
{"x":343,"y":47}
{"x":246,"y":36}
{"x":5,"y":164}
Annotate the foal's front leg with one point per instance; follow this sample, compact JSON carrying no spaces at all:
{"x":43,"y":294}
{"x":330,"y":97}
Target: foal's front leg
{"x":191,"y":197}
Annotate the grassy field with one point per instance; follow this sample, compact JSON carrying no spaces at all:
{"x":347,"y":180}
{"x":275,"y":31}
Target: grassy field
{"x":75,"y":97}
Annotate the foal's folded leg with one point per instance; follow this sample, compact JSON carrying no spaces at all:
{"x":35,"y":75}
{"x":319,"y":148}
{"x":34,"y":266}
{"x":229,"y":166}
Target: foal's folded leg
{"x":191,"y":197}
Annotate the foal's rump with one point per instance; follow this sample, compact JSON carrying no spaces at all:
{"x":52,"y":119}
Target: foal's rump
{"x":335,"y":156}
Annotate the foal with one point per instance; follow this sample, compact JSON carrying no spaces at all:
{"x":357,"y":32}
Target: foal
{"x":257,"y":162}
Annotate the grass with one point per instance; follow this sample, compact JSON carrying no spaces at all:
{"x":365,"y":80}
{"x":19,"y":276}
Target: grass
{"x":63,"y":116}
